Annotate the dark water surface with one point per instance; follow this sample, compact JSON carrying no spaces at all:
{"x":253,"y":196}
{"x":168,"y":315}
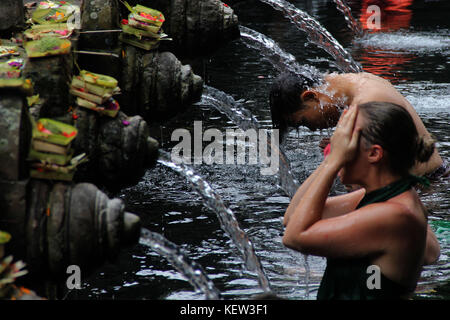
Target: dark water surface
{"x":415,"y":59}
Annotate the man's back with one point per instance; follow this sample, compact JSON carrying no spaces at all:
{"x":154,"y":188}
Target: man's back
{"x":366,"y":87}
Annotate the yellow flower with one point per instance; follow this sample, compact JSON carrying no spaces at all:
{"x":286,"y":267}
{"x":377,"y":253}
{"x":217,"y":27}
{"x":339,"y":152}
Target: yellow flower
{"x":65,"y":45}
{"x":59,"y":15}
{"x":4,"y":237}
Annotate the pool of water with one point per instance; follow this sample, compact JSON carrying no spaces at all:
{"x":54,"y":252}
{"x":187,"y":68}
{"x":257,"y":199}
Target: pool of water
{"x":415,"y":59}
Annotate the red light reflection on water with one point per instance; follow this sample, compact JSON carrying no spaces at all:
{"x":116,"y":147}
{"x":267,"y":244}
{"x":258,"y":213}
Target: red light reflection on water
{"x":388,"y":65}
{"x":394,"y":15}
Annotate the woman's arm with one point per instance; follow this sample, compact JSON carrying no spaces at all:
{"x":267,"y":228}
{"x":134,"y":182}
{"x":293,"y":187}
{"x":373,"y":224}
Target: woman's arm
{"x":334,"y":206}
{"x":311,"y":206}
{"x":299,"y":194}
{"x":367,"y":231}
{"x":342,"y":204}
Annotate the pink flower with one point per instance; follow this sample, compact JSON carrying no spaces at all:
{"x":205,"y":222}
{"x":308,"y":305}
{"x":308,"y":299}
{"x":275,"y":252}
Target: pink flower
{"x":327,"y":150}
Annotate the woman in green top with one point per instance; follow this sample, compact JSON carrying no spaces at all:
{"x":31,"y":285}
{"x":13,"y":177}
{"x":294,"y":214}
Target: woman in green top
{"x":382,"y":226}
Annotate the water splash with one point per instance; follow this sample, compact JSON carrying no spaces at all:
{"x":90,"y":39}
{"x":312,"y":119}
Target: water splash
{"x":409,"y":42}
{"x":192,"y":271}
{"x":317,"y":34}
{"x":245,"y":120}
{"x":307,"y":274}
{"x":226,"y":217}
{"x":352,"y":23}
{"x":270,"y":51}
{"x":226,"y":105}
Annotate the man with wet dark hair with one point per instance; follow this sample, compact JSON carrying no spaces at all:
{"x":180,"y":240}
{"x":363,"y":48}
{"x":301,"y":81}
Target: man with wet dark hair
{"x":285,"y":102}
{"x":316,"y":102}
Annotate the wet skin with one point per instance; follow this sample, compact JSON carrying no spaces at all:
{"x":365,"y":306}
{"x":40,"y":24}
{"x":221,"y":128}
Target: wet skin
{"x":322,"y":105}
{"x":393,"y":233}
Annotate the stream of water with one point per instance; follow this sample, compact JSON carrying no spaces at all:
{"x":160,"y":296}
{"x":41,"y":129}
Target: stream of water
{"x":191,"y":271}
{"x":228,"y":222}
{"x":352,"y":23}
{"x":317,"y":34}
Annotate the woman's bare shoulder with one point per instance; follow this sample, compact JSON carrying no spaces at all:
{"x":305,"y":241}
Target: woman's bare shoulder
{"x":401,"y":213}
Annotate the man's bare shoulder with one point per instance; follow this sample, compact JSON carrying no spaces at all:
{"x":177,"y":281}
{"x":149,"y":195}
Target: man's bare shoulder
{"x":369,"y":87}
{"x":365,"y":76}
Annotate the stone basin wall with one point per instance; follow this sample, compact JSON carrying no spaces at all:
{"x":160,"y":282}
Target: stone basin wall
{"x":53,"y":223}
{"x":11,"y":16}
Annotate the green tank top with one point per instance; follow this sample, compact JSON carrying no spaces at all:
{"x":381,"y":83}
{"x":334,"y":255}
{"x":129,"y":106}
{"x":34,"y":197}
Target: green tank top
{"x":346,"y":279}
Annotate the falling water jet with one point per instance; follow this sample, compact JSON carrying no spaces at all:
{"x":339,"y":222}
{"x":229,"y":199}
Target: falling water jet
{"x":226,"y":217}
{"x":192,"y":271}
{"x":245,"y":120}
{"x":226,"y":104}
{"x":352,"y":23}
{"x":317,"y":34}
{"x":307,"y":274}
{"x":270,"y":51}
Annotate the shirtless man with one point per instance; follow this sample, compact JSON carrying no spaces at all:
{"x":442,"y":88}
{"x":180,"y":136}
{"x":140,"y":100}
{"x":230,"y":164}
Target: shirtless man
{"x":317,"y":103}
